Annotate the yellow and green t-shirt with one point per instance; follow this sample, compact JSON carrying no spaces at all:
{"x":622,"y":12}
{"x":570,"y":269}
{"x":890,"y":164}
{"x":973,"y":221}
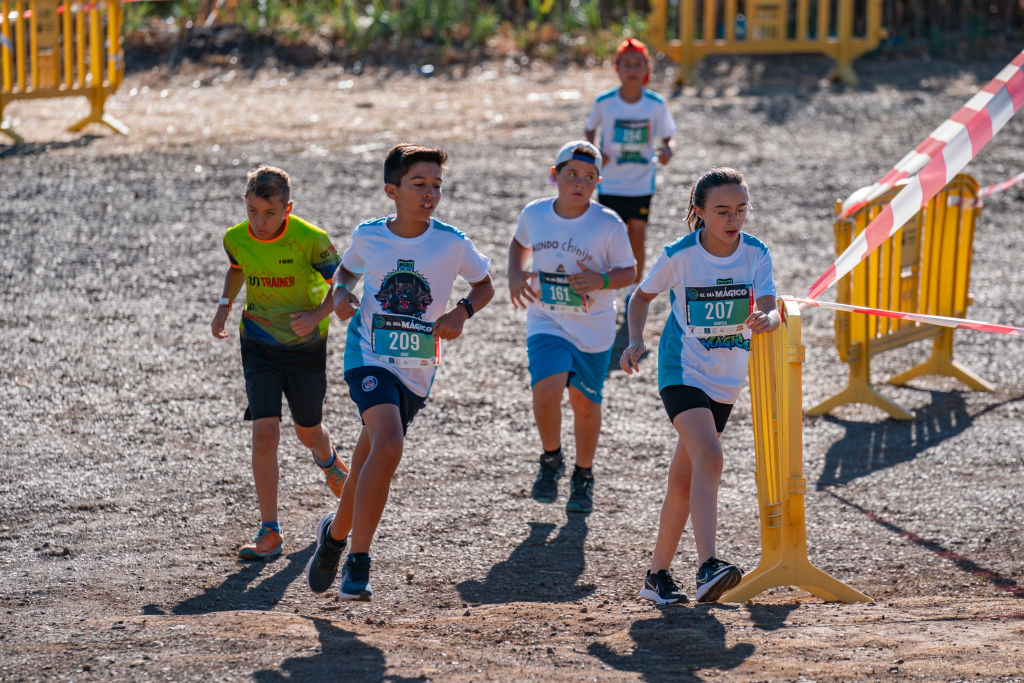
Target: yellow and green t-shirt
{"x":288,"y":274}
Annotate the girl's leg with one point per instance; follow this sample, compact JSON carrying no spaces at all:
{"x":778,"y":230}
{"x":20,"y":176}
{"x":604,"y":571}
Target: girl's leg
{"x":266,"y":434}
{"x":686,"y":478}
{"x":696,"y":428}
{"x":547,"y":409}
{"x":586,"y":426}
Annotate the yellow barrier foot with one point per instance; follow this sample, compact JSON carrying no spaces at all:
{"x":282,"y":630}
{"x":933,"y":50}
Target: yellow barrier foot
{"x":862,"y":394}
{"x":106,"y":120}
{"x":941,"y":363}
{"x":5,"y":128}
{"x":844,"y":73}
{"x":802,"y":574}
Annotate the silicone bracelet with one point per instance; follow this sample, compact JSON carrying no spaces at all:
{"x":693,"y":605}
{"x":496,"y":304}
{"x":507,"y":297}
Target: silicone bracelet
{"x":224,"y":301}
{"x":605,"y":276}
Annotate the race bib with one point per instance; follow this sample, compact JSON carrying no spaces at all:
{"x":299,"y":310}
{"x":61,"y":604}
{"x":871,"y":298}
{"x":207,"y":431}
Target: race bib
{"x":718,"y":310}
{"x":556,"y":295}
{"x":404,"y":341}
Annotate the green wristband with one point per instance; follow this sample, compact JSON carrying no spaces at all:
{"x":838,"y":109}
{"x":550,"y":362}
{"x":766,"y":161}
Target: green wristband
{"x":605,"y":276}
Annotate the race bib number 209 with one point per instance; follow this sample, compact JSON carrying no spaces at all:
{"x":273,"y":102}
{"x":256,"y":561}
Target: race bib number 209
{"x":404,"y":341}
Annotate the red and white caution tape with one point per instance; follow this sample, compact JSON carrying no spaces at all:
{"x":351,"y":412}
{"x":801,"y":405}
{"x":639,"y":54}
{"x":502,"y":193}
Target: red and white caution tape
{"x":967,"y":118}
{"x":961,"y":148}
{"x":969,"y":203}
{"x":942,"y":320}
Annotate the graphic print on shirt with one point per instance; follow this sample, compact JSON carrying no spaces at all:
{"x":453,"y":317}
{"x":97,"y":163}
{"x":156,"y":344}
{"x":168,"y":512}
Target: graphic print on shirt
{"x":399,"y":335}
{"x":633,"y":136}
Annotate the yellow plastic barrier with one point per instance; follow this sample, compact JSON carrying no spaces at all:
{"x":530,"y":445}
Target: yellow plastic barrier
{"x":59,"y":48}
{"x":709,"y":27}
{"x":776,"y":397}
{"x":924,"y":268}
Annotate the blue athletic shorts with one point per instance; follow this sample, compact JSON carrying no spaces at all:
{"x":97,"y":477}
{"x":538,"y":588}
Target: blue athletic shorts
{"x":370,"y":386}
{"x":550,"y":354}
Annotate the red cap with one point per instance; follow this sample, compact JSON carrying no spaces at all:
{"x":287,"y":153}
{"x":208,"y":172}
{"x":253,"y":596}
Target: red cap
{"x":634,"y":45}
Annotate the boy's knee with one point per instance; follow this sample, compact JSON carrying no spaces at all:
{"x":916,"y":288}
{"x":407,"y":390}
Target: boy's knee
{"x":388,"y":446}
{"x":266,"y":432}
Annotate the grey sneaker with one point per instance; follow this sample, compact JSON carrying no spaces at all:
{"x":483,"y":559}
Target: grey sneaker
{"x":355,"y":578}
{"x":581,"y":492}
{"x":714,"y":578}
{"x":660,"y":589}
{"x":545,"y":487}
{"x":322,"y":568}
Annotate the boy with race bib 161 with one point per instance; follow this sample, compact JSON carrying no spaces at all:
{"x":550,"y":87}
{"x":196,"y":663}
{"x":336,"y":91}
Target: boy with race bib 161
{"x":408,"y":263}
{"x":580,"y":254}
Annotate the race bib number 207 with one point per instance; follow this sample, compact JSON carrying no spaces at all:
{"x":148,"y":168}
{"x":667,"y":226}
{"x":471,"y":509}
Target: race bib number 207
{"x":718,"y":310}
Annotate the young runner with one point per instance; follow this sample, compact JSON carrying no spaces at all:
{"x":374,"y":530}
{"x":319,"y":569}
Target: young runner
{"x":408,"y":262}
{"x":635,"y":126}
{"x":580,"y":256}
{"x":286,"y":265}
{"x":722,"y":292}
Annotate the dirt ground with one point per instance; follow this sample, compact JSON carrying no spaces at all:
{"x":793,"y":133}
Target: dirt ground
{"x":126,"y":486}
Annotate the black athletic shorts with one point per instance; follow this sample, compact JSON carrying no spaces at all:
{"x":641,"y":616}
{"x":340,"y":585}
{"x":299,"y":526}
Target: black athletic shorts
{"x":300,"y":374}
{"x":679,"y":398}
{"x":627,"y":207}
{"x":370,"y":386}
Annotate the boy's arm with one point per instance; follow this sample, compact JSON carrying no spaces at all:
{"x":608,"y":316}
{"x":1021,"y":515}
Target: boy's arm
{"x":304,"y":322}
{"x":449,"y":325}
{"x":636,"y":319}
{"x":588,"y":280}
{"x":344,"y":301}
{"x":233,"y":281}
{"x":666,"y":151}
{"x":519,"y":289}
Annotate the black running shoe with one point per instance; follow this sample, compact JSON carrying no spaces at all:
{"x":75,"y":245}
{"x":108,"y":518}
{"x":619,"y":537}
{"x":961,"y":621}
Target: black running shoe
{"x":660,"y":589}
{"x":322,"y":568}
{"x":545,"y":487}
{"x":355,"y":578}
{"x":581,"y":492}
{"x":714,"y":578}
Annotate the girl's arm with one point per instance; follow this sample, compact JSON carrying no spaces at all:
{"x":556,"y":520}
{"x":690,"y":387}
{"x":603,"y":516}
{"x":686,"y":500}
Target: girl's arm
{"x":636,"y":319}
{"x":767,"y":316}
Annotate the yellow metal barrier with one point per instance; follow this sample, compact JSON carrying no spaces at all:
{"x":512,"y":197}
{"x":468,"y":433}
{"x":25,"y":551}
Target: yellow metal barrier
{"x":59,"y":48}
{"x":924,"y":268}
{"x":708,"y":27}
{"x":776,"y":395}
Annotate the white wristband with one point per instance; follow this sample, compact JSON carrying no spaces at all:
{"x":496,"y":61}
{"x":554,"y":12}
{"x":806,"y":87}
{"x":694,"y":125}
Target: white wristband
{"x":224,"y":301}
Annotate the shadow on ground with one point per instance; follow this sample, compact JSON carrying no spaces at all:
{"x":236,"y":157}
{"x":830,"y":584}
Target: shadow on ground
{"x":538,"y":570}
{"x":685,"y":641}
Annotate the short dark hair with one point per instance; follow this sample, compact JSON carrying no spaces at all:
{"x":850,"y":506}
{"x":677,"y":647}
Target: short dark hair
{"x":267,"y":182}
{"x":716,"y":177}
{"x":402,"y":156}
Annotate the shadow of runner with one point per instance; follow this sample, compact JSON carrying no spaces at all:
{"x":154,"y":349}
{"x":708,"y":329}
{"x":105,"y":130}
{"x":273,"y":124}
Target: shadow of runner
{"x":676,"y":646}
{"x":236,"y":591}
{"x":537,"y":570}
{"x":342,"y":656}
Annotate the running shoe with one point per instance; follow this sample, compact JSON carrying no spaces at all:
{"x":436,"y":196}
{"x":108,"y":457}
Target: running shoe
{"x":322,"y":568}
{"x":581,"y":493}
{"x":265,"y":545}
{"x":545,"y":487}
{"x":714,"y":578}
{"x":335,"y":475}
{"x":660,"y":589}
{"x":355,"y":578}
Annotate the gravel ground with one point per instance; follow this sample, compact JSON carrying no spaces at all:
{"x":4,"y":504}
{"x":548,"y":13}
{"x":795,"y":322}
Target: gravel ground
{"x":126,"y":485}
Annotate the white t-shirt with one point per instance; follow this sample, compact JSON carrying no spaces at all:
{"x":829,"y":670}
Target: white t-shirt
{"x":598,"y":239}
{"x":406,"y":282}
{"x":708,"y":290}
{"x":628,"y":135}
